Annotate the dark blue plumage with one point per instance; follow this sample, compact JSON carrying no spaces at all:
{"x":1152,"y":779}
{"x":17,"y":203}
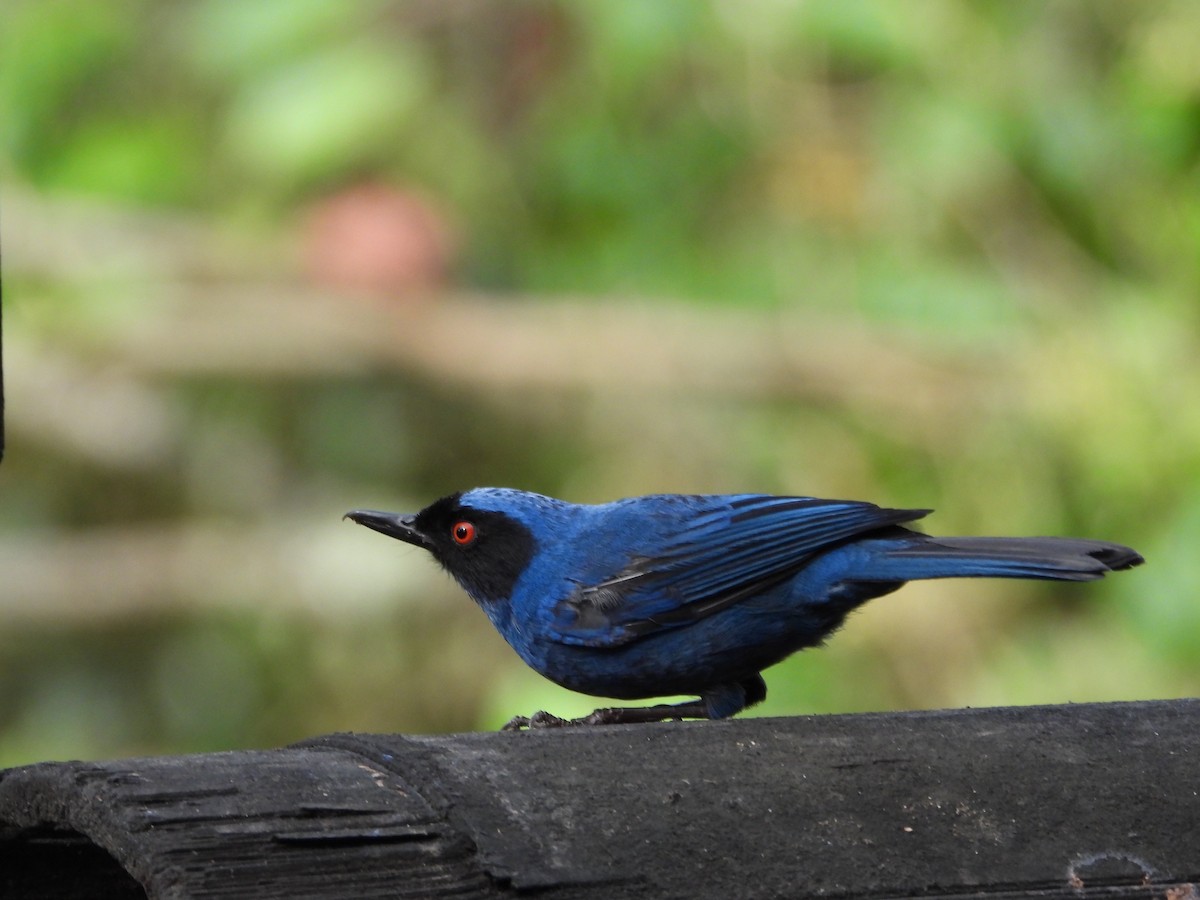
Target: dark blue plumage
{"x":681,"y":594}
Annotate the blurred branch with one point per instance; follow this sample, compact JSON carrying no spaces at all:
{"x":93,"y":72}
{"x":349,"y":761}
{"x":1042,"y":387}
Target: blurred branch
{"x":76,"y":239}
{"x":558,"y":344}
{"x":64,"y":577}
{"x":190,"y":309}
{"x":107,"y":417}
{"x":215,"y":312}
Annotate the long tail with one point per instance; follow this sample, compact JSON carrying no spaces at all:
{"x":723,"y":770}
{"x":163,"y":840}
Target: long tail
{"x":1056,"y":559}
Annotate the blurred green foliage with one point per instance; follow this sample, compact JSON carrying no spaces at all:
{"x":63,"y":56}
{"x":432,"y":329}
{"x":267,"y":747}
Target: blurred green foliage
{"x":1007,"y":187}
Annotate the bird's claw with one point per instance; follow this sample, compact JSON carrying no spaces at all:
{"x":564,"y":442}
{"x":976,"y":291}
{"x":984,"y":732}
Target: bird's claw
{"x":540,"y":719}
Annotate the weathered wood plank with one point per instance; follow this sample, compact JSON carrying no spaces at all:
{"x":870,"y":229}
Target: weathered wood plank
{"x":1073,"y":801}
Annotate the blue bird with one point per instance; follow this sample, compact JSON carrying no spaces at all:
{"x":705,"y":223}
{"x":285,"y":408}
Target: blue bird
{"x":695,"y":595}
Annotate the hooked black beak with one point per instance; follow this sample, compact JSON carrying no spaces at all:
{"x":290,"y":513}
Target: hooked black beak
{"x":396,"y":525}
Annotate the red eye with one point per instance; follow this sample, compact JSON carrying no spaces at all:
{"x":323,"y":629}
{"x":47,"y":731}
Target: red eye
{"x":463,"y":533}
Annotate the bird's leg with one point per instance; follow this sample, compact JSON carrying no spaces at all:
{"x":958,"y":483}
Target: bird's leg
{"x":617,"y":715}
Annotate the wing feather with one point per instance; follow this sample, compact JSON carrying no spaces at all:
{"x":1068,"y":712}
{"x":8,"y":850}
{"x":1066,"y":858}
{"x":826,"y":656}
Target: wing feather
{"x":725,"y":549}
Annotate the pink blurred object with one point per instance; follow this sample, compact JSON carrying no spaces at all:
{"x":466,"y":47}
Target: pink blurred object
{"x":378,"y":239}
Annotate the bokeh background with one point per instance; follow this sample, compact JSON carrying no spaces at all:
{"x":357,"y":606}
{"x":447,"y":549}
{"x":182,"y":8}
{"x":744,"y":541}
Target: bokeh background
{"x":265,"y":262}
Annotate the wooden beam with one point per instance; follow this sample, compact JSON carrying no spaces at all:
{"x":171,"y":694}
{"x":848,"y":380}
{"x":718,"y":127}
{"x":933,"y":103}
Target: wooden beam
{"x":1066,"y":801}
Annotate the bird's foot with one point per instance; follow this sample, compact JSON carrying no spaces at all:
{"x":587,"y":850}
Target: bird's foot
{"x":615,"y":715}
{"x":540,"y":719}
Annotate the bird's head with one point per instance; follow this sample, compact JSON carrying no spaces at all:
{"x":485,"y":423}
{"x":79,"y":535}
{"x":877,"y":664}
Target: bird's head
{"x":484,"y":537}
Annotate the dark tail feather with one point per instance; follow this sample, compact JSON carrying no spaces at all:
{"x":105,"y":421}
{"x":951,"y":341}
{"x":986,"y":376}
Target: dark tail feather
{"x":1057,"y":559}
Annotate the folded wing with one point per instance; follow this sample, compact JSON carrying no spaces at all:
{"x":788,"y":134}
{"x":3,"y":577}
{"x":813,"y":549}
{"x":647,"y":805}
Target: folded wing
{"x":725,"y":550}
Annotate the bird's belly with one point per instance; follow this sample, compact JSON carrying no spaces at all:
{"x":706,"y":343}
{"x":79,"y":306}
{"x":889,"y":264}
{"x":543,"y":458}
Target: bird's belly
{"x":727,"y":647}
